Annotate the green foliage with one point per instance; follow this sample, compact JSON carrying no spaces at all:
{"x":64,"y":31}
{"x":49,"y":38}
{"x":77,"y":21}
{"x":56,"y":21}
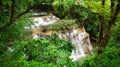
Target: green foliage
{"x":69,"y":3}
{"x":61,"y":25}
{"x":115,"y":37}
{"x":54,"y":52}
{"x":19,"y":7}
{"x":110,"y":58}
{"x":3,"y":16}
{"x":115,"y":29}
{"x":71,"y":10}
{"x":47,"y":51}
{"x":80,"y":10}
{"x":92,"y":26}
{"x":24,"y":63}
{"x":95,"y":6}
{"x":14,"y":32}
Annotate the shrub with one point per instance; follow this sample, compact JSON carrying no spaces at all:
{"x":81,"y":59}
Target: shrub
{"x":110,"y":58}
{"x":48,"y":51}
{"x":61,"y":25}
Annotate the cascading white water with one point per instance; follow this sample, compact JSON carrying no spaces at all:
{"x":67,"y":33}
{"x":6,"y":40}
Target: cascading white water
{"x":42,"y":21}
{"x":79,"y":37}
{"x":81,"y":41}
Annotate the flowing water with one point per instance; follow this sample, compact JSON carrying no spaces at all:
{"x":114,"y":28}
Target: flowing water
{"x":42,"y":21}
{"x":78,"y":36}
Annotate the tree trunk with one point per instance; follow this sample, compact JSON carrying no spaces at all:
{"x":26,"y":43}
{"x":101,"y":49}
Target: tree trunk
{"x":111,"y":22}
{"x":101,"y":17}
{"x":101,"y":26}
{"x":113,"y":17}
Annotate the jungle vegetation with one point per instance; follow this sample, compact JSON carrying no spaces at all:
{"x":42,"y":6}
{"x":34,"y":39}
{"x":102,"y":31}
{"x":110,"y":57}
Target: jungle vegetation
{"x":101,"y":18}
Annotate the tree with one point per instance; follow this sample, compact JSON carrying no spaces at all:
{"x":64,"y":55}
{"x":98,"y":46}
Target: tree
{"x":13,"y":11}
{"x":107,"y":10}
{"x":113,"y":17}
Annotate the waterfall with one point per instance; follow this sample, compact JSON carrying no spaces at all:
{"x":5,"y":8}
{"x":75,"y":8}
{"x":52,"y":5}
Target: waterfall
{"x":42,"y":21}
{"x":78,"y":36}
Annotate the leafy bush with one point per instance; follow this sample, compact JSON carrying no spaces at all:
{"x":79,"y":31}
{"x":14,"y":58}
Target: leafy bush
{"x":110,"y":58}
{"x":13,"y":33}
{"x":71,"y":10}
{"x":81,"y":12}
{"x":24,"y":63}
{"x":61,"y":25}
{"x":115,"y":37}
{"x":48,"y":51}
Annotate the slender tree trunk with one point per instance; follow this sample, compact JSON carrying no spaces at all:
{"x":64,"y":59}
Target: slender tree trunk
{"x":111,"y":22}
{"x":101,"y":17}
{"x":113,"y":17}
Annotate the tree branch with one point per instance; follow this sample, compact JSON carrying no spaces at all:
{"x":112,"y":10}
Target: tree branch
{"x":26,"y":11}
{"x":18,"y":16}
{"x":12,"y":18}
